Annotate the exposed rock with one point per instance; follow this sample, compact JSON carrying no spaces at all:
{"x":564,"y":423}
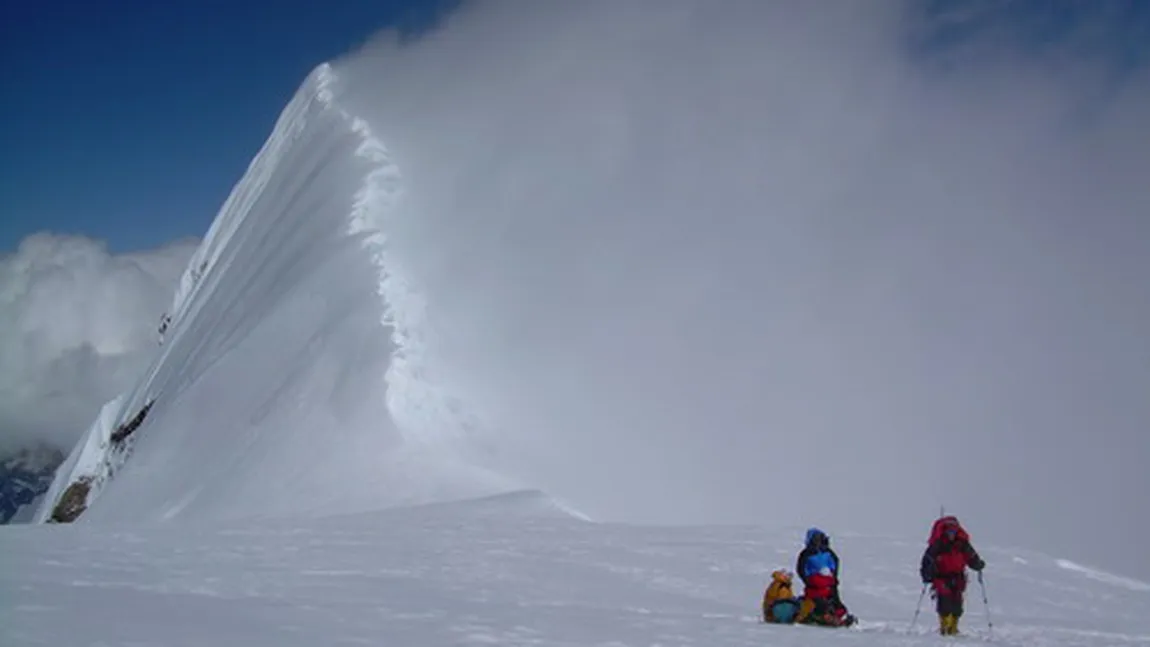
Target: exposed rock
{"x":128,"y":428}
{"x":73,"y":503}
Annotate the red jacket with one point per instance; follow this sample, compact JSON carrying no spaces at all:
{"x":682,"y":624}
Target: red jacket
{"x":819,"y":586}
{"x":947,"y":556}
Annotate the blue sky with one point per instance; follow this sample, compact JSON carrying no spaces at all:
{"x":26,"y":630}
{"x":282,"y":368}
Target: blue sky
{"x":132,"y":120}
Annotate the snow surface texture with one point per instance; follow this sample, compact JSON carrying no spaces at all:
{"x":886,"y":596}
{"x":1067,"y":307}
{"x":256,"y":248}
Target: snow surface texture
{"x":508,"y":570}
{"x":283,"y":385}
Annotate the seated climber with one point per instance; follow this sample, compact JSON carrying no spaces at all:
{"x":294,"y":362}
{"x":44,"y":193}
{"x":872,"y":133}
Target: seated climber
{"x":779,"y":602}
{"x":818,"y":567}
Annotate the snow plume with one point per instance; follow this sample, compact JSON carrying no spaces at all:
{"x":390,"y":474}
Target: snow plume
{"x":798,"y":260}
{"x":77,"y":326}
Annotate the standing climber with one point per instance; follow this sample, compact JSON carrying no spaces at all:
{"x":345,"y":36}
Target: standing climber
{"x":948,"y":554}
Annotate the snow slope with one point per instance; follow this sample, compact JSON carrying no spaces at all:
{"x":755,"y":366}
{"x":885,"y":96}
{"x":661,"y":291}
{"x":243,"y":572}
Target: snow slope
{"x":507,"y":570}
{"x":284,"y":384}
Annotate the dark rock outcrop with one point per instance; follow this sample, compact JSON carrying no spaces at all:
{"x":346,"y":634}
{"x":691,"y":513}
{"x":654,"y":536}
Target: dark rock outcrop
{"x":25,"y":475}
{"x":128,"y":428}
{"x":73,"y":502}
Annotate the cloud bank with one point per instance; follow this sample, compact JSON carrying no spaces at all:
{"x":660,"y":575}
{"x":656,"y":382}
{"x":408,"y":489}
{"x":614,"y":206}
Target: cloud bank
{"x":77,"y":325}
{"x":785,"y":261}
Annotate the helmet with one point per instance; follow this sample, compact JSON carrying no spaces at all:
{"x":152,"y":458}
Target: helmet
{"x":817,"y":537}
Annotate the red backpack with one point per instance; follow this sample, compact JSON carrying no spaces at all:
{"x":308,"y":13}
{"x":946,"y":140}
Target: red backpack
{"x":948,"y":523}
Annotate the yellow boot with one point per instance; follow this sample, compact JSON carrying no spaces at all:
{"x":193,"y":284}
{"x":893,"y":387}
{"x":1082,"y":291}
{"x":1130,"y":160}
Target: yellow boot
{"x":949,"y":625}
{"x":806,"y":608}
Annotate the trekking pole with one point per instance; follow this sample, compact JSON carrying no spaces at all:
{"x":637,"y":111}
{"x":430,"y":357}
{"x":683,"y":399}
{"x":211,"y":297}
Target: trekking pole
{"x":918,"y":607}
{"x":985,"y":603}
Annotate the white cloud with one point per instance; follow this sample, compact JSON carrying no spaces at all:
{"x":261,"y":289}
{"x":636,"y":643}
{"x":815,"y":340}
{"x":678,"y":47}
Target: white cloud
{"x":753,"y":260}
{"x":77,"y":325}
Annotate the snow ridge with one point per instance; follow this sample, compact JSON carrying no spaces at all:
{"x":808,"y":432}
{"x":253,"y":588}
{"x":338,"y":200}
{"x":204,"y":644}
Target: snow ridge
{"x":278,"y":388}
{"x":1102,"y":576}
{"x":424,"y":410}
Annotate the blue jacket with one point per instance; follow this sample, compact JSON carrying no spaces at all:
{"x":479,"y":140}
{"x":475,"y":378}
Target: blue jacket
{"x":817,"y":561}
{"x":813,"y":559}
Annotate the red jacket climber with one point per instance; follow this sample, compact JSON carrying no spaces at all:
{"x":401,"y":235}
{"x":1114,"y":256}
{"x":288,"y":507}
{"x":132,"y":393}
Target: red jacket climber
{"x":948,"y":554}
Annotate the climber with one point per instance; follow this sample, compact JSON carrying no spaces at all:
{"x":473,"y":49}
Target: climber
{"x":779,"y":602}
{"x":818,"y":567}
{"x":944,"y":562}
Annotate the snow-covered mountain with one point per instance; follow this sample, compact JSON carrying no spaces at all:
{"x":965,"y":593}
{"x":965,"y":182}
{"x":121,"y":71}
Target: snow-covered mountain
{"x":290,"y":379}
{"x":25,"y":476}
{"x":401,"y":384}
